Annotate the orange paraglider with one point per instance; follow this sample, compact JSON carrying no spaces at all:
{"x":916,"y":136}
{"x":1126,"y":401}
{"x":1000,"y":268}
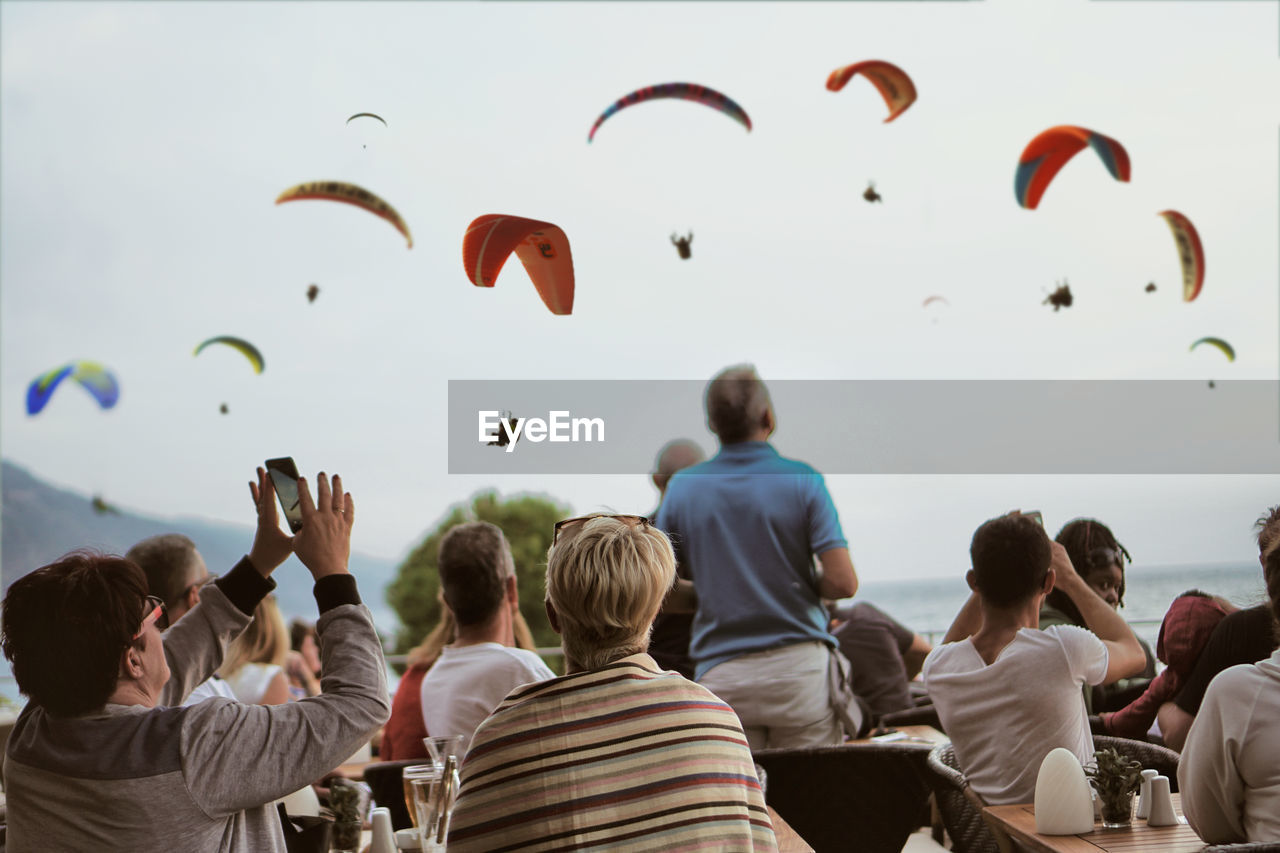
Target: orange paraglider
{"x":1050,"y":151}
{"x":891,"y":81}
{"x":541,"y":246}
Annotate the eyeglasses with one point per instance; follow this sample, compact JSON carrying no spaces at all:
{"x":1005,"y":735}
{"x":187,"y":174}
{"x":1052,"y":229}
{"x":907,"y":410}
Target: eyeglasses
{"x":158,"y":614}
{"x":630,"y":519}
{"x":1104,"y":558}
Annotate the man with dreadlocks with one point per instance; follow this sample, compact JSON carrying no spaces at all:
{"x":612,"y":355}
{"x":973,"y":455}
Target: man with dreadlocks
{"x":1100,"y":559}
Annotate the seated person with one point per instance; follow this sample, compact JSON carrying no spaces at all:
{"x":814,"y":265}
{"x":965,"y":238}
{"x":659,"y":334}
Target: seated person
{"x":103,"y":757}
{"x":254,"y":665}
{"x":1006,"y":692}
{"x":1183,"y":635}
{"x":478,"y":670}
{"x":884,"y":655}
{"x":1229,"y":775}
{"x":1246,"y":636}
{"x":618,"y":753}
{"x":1098,"y":558}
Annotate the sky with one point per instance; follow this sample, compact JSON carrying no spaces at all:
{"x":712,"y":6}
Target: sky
{"x":142,"y":146}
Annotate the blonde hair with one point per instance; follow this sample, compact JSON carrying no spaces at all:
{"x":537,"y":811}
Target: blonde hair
{"x":266,"y":640}
{"x":607,"y":584}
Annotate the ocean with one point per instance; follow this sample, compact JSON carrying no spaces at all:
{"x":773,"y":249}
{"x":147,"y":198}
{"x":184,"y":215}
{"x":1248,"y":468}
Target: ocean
{"x":928,"y":605}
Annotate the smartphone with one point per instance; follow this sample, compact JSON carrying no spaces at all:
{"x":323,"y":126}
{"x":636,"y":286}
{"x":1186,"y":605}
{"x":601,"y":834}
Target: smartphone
{"x":284,"y":476}
{"x":1035,"y":516}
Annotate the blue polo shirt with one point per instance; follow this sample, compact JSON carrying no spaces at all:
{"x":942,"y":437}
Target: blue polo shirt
{"x":746,"y":525}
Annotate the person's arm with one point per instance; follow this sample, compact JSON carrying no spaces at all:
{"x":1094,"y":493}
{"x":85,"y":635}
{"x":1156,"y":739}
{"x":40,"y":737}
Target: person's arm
{"x":967,"y":622}
{"x":913,"y":657}
{"x":1124,"y":654}
{"x":277,"y":692}
{"x":839,"y":580}
{"x":1175,"y":723}
{"x":1208,"y":775}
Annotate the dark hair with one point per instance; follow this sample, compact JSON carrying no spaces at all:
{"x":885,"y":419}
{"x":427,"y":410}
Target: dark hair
{"x":299,"y":630}
{"x":1268,"y":527}
{"x":1084,"y":539}
{"x":1272,"y":574}
{"x":66,"y":625}
{"x":736,"y":400}
{"x":473,"y":571}
{"x":1010,"y":557}
{"x":167,"y":561}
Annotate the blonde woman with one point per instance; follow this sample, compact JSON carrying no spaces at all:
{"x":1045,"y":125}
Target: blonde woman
{"x":254,"y":665}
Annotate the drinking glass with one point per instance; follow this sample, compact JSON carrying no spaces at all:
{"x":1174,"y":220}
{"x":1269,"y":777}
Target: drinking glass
{"x":440,"y":748}
{"x":433,"y":800}
{"x":407,"y":777}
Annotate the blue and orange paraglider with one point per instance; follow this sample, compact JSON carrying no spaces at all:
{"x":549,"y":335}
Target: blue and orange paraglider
{"x":350,"y":194}
{"x":897,"y":89}
{"x":93,"y":377}
{"x":1049,"y":152}
{"x":684,"y":91}
{"x":242,"y":346}
{"x":541,"y":246}
{"x":1190,"y":252}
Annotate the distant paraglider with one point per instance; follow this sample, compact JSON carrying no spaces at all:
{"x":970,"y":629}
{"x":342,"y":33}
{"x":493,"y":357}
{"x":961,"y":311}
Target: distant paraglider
{"x":1061,"y":297}
{"x":368,"y":115}
{"x":682,"y":245}
{"x":932,"y":299}
{"x":684,"y":91}
{"x":1151,"y":287}
{"x":91,"y":376}
{"x":223,"y":409}
{"x":504,"y":435}
{"x":101,"y":507}
{"x":870,"y":193}
{"x":541,"y":246}
{"x":350,"y":194}
{"x":1049,"y":152}
{"x":891,"y":81}
{"x":312,"y":292}
{"x":242,"y":346}
{"x":1190,"y":252}
{"x":1219,"y":344}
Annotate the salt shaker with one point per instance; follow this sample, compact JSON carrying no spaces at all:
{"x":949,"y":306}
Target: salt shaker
{"x":1161,"y":812}
{"x":1144,"y":794}
{"x":383,"y":837}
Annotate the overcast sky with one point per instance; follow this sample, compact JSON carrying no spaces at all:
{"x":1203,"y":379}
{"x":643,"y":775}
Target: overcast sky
{"x":142,"y":146}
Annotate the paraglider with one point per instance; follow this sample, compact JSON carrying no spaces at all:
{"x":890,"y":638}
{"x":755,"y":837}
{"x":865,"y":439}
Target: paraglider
{"x":223,"y":408}
{"x":682,"y":245}
{"x":1060,"y":298}
{"x":870,"y":194}
{"x":504,"y":435}
{"x":1190,"y":252}
{"x":350,"y":194}
{"x":1049,"y":152}
{"x":932,"y":299}
{"x":684,"y":91}
{"x":1151,"y":287}
{"x":541,"y":246}
{"x":91,"y":376}
{"x":1218,"y":343}
{"x":312,"y":292}
{"x":245,"y":348}
{"x":101,"y":507}
{"x":892,"y":82}
{"x":368,"y":115}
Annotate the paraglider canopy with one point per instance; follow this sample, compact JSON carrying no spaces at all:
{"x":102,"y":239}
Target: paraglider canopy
{"x":541,"y":246}
{"x":368,"y":115}
{"x":1219,"y":344}
{"x":897,"y":89}
{"x":1050,"y":151}
{"x":684,"y":91}
{"x":349,"y":194}
{"x":242,"y":346}
{"x":1190,"y":253}
{"x":92,"y":377}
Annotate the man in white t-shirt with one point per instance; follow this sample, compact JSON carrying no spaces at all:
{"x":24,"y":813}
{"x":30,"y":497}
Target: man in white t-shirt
{"x":1006,"y":692}
{"x":475,"y":673}
{"x":175,"y":573}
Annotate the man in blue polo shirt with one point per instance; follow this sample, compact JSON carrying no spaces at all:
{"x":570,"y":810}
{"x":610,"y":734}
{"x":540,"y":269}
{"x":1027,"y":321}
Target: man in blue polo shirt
{"x":746,"y":526}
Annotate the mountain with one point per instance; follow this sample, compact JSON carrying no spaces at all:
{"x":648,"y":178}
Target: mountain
{"x":39,"y":523}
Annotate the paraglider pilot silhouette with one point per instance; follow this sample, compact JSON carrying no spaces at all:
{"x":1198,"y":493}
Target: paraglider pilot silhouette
{"x":682,"y":245}
{"x":871,"y":194}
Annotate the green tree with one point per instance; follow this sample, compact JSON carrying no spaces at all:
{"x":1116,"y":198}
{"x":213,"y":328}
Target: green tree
{"x":526,"y":520}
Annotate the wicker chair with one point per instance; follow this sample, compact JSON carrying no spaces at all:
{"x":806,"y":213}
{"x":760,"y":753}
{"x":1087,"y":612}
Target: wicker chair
{"x":384,"y":780}
{"x":1149,"y":755}
{"x":961,"y":808}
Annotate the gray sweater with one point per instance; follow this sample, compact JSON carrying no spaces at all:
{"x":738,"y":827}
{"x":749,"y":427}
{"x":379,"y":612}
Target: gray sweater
{"x":201,"y":778}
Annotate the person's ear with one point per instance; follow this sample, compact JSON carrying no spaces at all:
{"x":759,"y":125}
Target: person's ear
{"x":131,"y":663}
{"x":552,"y":617}
{"x":513,"y":596}
{"x":1050,"y":578}
{"x":767,"y":421}
{"x":193,"y":597}
{"x":971,"y":578}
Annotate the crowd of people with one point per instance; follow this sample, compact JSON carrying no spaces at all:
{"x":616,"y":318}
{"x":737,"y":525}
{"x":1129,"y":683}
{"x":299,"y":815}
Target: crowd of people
{"x":172,"y":709}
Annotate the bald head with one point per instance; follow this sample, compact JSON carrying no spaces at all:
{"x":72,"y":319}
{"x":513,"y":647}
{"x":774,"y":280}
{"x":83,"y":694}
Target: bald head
{"x":675,"y":455}
{"x":738,"y":405}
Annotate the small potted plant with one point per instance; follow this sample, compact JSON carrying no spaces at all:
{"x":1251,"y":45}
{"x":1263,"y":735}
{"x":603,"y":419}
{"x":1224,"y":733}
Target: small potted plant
{"x":1115,"y":777}
{"x":345,"y":803}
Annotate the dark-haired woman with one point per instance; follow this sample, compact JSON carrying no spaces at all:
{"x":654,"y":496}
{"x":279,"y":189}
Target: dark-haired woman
{"x":1099,"y":559}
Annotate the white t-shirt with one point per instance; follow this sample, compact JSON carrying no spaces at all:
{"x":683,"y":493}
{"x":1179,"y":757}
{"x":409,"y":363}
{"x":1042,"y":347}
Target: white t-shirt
{"x":468,"y":682}
{"x":1004,"y":718}
{"x":250,"y":682}
{"x":209,"y":689}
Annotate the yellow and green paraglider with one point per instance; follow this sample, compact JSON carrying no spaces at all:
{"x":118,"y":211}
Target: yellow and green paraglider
{"x":91,"y":376}
{"x":1218,"y":343}
{"x":242,"y":346}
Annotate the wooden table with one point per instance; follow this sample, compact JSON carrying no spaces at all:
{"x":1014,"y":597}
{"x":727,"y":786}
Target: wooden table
{"x":789,"y":841}
{"x":922,"y":737}
{"x":1020,"y":822}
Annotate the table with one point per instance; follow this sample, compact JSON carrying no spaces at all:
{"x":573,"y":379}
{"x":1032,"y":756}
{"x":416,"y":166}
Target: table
{"x":920,"y":737}
{"x":1019,"y":821}
{"x":789,"y":841}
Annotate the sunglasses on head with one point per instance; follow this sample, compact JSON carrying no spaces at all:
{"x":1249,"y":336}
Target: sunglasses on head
{"x":157,"y":613}
{"x":1104,"y":558}
{"x":582,"y":519}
